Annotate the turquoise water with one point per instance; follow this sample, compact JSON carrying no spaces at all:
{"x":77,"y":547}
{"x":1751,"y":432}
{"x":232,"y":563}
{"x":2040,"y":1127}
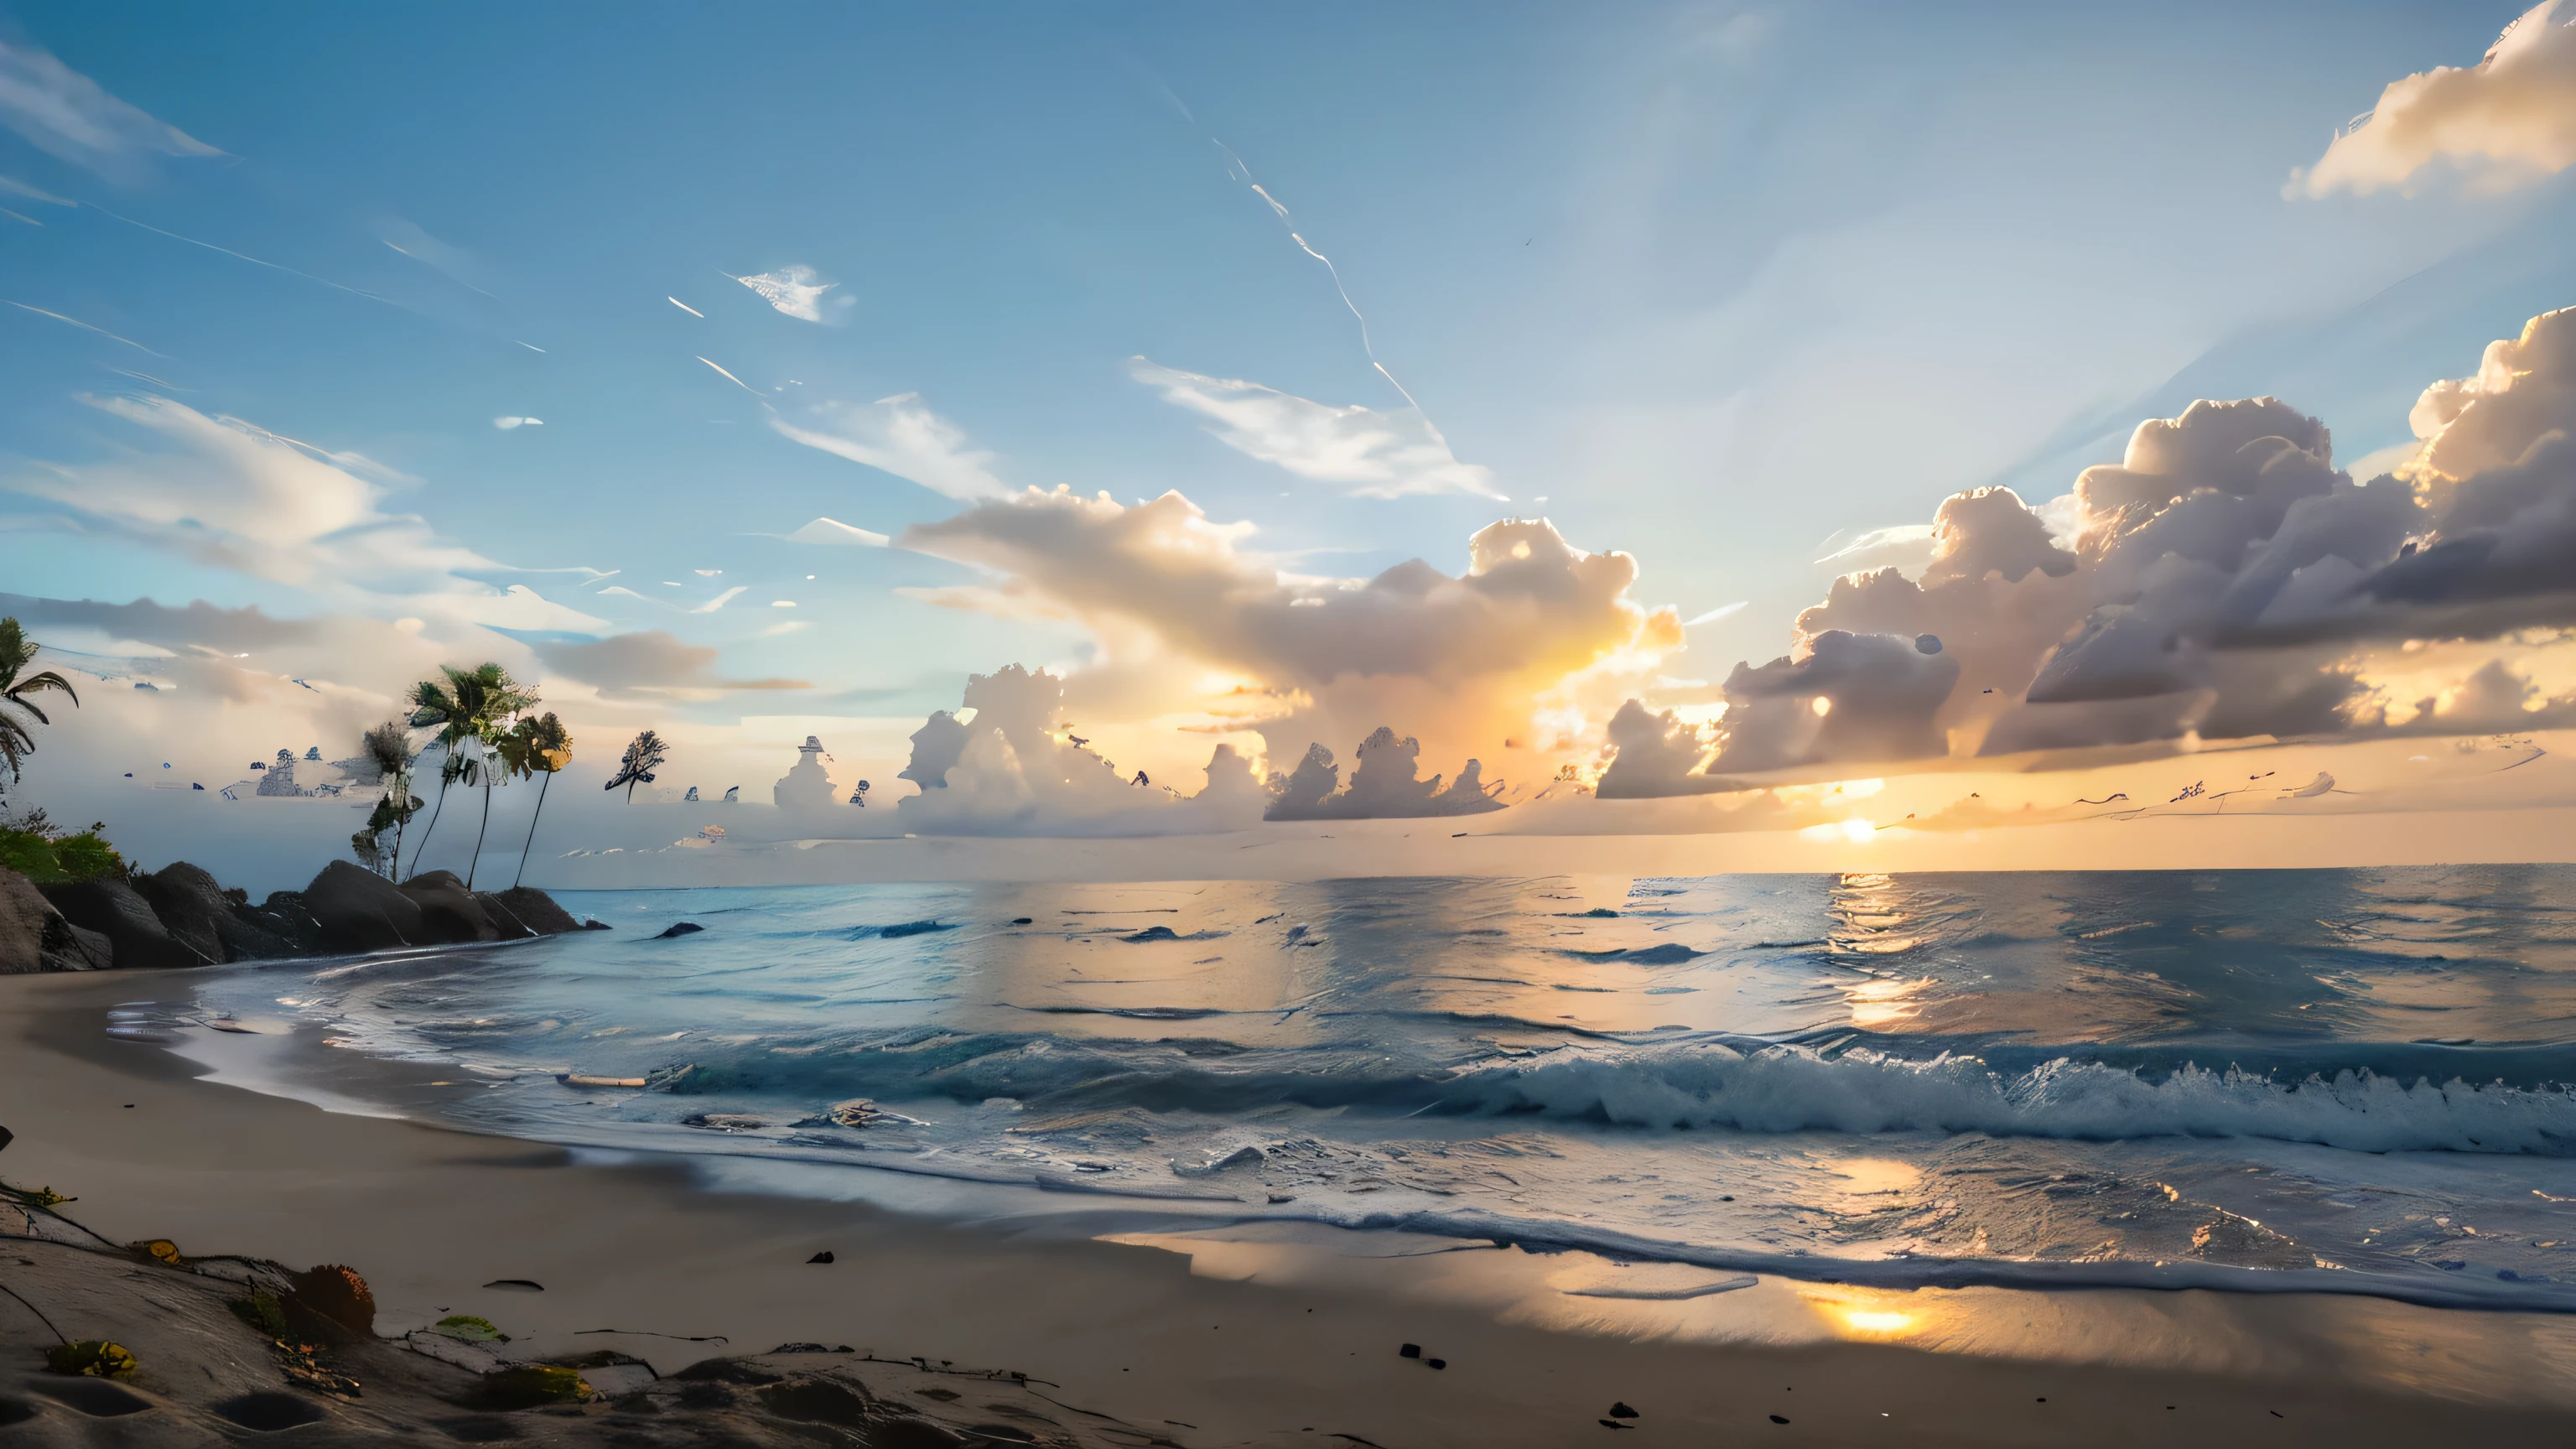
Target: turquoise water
{"x":2337,"y":1080}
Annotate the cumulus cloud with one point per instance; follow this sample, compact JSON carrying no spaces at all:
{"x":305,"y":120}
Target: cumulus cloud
{"x":1365,"y":452}
{"x":1386,"y":784}
{"x":2506,"y":121}
{"x":240,"y":497}
{"x":1010,"y":769}
{"x":900,"y":435}
{"x":795,"y":291}
{"x":1531,"y":630}
{"x":2223,"y":579}
{"x":647,"y":663}
{"x":66,"y":114}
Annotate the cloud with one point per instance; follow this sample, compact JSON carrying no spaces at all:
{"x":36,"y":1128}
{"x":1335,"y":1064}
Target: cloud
{"x":833,"y":532}
{"x":507,"y":424}
{"x":2507,"y":121}
{"x":2223,"y":579}
{"x":1367,"y":453}
{"x":15,"y":187}
{"x":237,"y":496}
{"x":899,"y":435}
{"x":1009,"y":771}
{"x":68,"y":115}
{"x":1517,"y":647}
{"x":84,"y":326}
{"x":1386,"y":784}
{"x":652,"y":662}
{"x":795,"y":291}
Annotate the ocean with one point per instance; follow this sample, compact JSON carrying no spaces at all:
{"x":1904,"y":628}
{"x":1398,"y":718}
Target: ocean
{"x":2358,"y":1081}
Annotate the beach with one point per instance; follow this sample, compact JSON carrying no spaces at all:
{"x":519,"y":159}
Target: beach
{"x":1209,"y":1341}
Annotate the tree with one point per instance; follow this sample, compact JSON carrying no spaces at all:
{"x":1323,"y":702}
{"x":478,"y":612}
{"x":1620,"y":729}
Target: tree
{"x":644,"y":754}
{"x":538,"y":746}
{"x":388,"y":745}
{"x":468,"y":707}
{"x":17,"y":651}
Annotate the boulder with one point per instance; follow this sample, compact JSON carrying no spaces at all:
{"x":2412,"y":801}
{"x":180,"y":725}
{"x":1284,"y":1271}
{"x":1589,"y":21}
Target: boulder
{"x":450,"y":914}
{"x":284,"y":918}
{"x":114,"y":910}
{"x":537,"y":911}
{"x":359,"y":910}
{"x":79,"y":950}
{"x":26,"y":921}
{"x":190,"y":906}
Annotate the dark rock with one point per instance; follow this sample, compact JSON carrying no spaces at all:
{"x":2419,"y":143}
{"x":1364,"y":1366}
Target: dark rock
{"x":1622,"y":1411}
{"x":359,"y":910}
{"x":284,"y":917}
{"x":78,"y":949}
{"x":244,"y":940}
{"x":1021,"y":920}
{"x":822,"y":1257}
{"x":728,"y":1371}
{"x":1438,"y":1363}
{"x":450,"y":915}
{"x":591,"y":924}
{"x":31,"y":930}
{"x":1410,"y":1350}
{"x":188,"y":903}
{"x":1778,"y":1419}
{"x":681,"y":928}
{"x":538,"y":912}
{"x":6,"y":1137}
{"x":114,"y":910}
{"x":1153,"y":933}
{"x":504,"y":921}
{"x":818,"y":1401}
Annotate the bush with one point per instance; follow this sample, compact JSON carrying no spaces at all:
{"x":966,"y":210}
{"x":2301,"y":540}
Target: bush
{"x":92,"y":1358}
{"x":49,"y":857}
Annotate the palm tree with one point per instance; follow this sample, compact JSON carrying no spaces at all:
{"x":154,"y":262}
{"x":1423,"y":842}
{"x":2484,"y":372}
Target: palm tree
{"x":388,"y":745}
{"x":644,"y":755}
{"x":539,"y":746}
{"x":469,"y":707}
{"x":17,"y":651}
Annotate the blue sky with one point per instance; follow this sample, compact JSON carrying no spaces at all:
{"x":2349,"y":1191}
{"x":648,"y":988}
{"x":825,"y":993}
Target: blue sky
{"x":1715,"y":282}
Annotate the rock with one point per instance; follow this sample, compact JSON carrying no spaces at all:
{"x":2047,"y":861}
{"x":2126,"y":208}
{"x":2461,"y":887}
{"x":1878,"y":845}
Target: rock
{"x":27,"y":926}
{"x":591,"y":923}
{"x":244,"y":940}
{"x":359,"y":910}
{"x":538,"y":912}
{"x":114,"y":910}
{"x":1621,"y":1410}
{"x":190,"y":904}
{"x":82,"y":950}
{"x":682,"y":928}
{"x":6,"y":1137}
{"x":450,"y":914}
{"x":285,"y":918}
{"x":824,"y":1257}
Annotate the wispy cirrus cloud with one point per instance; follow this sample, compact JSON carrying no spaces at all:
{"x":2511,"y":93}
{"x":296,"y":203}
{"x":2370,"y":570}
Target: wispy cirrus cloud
{"x":647,"y":663}
{"x":66,"y":114}
{"x":902,"y":436}
{"x":1372,"y":454}
{"x":237,"y":496}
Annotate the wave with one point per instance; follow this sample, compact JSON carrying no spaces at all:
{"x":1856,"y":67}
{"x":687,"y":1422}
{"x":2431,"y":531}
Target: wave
{"x":1739,"y":1084}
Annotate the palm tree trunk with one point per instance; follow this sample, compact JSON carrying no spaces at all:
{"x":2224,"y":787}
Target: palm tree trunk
{"x":402,"y":817}
{"x":427,"y":830}
{"x":542,"y":787}
{"x":478,"y":834}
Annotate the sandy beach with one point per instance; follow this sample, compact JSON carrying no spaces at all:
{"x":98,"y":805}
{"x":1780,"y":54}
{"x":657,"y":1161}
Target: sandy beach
{"x":1204,"y":1340}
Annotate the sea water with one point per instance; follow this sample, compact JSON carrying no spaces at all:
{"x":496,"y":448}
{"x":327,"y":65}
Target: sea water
{"x":2350,"y":1080}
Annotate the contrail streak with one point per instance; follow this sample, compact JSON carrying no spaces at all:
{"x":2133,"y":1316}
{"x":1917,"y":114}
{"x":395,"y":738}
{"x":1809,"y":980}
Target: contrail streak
{"x":76,"y":322}
{"x":738,"y":382}
{"x":1243,"y":173}
{"x":247,"y":257}
{"x":685,"y":307}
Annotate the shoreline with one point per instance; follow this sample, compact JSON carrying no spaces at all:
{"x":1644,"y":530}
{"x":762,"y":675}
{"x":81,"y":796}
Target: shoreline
{"x":1246,"y":1342}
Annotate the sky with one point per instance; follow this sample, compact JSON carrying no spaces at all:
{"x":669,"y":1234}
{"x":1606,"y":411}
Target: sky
{"x":695,"y":367}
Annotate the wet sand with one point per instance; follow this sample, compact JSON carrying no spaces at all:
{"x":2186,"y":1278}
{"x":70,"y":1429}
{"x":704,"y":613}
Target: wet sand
{"x":1208,"y":1340}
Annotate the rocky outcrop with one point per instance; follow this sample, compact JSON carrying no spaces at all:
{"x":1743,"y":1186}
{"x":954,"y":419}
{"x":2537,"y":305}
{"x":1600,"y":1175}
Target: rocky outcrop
{"x":450,"y":914}
{"x":180,"y":916}
{"x":359,"y":910}
{"x":115,"y":910}
{"x":535,"y":911}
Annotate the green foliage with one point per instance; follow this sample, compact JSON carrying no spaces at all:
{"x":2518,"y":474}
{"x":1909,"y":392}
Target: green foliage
{"x":535,"y":1384}
{"x":50,"y":859}
{"x":34,"y":1197}
{"x":263,"y":1312}
{"x":17,"y":651}
{"x":92,"y":1358}
{"x":467,"y":1328}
